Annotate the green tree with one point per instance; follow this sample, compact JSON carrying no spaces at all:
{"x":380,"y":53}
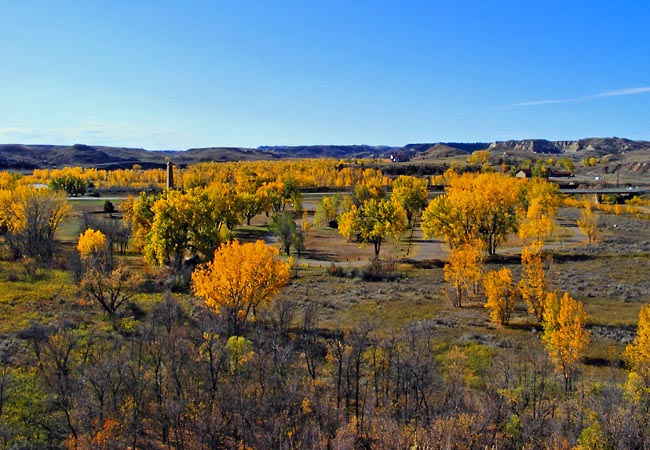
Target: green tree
{"x":72,"y":185}
{"x":284,"y":227}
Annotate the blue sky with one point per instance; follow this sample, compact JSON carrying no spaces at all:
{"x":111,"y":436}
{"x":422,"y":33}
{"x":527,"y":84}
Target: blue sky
{"x":175,"y":75}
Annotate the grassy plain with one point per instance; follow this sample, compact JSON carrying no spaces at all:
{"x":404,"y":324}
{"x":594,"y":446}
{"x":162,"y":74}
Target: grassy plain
{"x":609,"y":276}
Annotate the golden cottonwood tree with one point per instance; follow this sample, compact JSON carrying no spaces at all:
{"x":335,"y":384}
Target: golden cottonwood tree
{"x":541,"y":203}
{"x":373,"y":222}
{"x":565,"y":335}
{"x":588,"y":223}
{"x":138,"y":212}
{"x":464,"y":269}
{"x":474,"y":206}
{"x":214,"y":211}
{"x":93,"y":249}
{"x":91,"y":242}
{"x":251,"y":205}
{"x":372,"y":187}
{"x":479,"y":158}
{"x":327,"y":210}
{"x":501,"y":295}
{"x":175,"y":223}
{"x":239,"y":279}
{"x":410,"y":192}
{"x":31,"y":217}
{"x":532,"y":285}
{"x":637,"y":357}
{"x":168,"y":238}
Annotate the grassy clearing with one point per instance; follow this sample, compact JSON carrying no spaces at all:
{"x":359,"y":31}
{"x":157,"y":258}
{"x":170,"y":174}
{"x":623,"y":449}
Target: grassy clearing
{"x":45,"y":297}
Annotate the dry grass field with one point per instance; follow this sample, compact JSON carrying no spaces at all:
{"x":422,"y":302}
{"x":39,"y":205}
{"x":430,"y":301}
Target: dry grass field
{"x":610,"y":276}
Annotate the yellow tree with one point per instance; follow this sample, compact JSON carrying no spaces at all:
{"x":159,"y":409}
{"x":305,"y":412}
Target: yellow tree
{"x":371,"y":188}
{"x":327,"y":210}
{"x":91,"y":242}
{"x":213,"y":211}
{"x":588,"y":223}
{"x":138,"y":212}
{"x":251,"y":205}
{"x":541,"y":203}
{"x":637,"y":357}
{"x":501,"y":295}
{"x":31,"y":217}
{"x":168,"y":238}
{"x":239,"y":279}
{"x":373,"y":222}
{"x":272,"y":195}
{"x":532,"y":285}
{"x":92,"y":249}
{"x":565,"y":335}
{"x":410,"y":192}
{"x":479,"y":158}
{"x":474,"y":206}
{"x":464,"y":269}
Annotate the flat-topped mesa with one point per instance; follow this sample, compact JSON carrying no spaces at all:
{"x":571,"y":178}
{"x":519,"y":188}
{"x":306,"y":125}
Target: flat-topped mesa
{"x":528,"y":145}
{"x":599,"y":146}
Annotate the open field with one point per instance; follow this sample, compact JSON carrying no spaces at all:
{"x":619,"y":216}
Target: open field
{"x":608,"y":276}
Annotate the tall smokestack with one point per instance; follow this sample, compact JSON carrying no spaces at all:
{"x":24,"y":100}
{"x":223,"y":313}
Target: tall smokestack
{"x":170,"y":175}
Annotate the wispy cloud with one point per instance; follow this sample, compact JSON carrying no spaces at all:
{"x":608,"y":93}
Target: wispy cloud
{"x":617,"y":93}
{"x":91,"y":132}
{"x":628,"y":91}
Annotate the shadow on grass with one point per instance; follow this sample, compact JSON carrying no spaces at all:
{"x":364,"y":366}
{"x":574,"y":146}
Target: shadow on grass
{"x":602,"y":362}
{"x":575,"y":257}
{"x":504,"y":259}
{"x":426,"y":264}
{"x":251,"y":234}
{"x":318,"y":255}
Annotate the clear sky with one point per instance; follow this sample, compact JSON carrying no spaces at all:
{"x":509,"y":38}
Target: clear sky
{"x":181,"y":74}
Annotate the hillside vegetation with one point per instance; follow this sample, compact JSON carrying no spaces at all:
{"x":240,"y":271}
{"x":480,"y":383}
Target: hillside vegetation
{"x":624,"y":156}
